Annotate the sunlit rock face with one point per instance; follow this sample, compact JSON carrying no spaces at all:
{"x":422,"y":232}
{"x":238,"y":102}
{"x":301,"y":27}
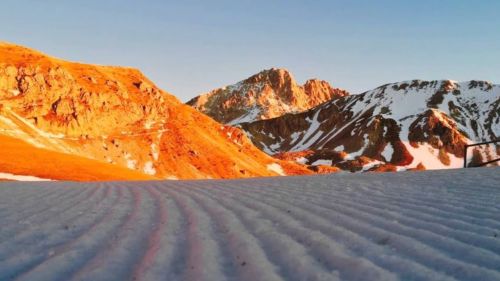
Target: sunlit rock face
{"x":117,"y":115}
{"x":270,"y":93}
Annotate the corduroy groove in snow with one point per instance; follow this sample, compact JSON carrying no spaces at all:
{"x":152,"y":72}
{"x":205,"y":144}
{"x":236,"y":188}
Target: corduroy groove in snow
{"x":435,"y":225}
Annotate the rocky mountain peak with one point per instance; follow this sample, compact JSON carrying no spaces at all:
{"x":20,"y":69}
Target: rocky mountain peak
{"x":278,"y":78}
{"x":268,"y":94}
{"x":319,"y":91}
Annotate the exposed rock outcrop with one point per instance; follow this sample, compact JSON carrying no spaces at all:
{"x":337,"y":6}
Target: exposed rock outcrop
{"x":270,"y":93}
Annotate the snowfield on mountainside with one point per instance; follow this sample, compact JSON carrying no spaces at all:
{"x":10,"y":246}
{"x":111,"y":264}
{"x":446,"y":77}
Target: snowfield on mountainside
{"x":433,"y":225}
{"x":406,"y":125}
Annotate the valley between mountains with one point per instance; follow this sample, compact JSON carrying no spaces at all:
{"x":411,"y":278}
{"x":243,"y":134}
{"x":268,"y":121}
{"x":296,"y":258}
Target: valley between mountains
{"x":113,"y":123}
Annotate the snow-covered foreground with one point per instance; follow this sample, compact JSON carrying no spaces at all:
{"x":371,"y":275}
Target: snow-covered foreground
{"x":435,"y":225}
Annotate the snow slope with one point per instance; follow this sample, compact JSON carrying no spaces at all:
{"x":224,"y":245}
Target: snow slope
{"x":404,"y":125}
{"x":434,"y":225}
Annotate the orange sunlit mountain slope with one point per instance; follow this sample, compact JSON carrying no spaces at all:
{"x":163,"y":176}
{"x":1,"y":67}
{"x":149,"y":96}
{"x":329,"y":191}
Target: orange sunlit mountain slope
{"x":20,"y":158}
{"x":116,"y":115}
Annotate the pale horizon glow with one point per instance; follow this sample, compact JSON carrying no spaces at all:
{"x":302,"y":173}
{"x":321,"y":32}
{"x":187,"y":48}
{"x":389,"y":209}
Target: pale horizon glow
{"x":192,"y":47}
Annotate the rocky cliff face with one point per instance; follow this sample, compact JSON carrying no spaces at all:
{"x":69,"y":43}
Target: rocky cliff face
{"x":117,"y":115}
{"x":268,"y":94}
{"x":408,"y":125}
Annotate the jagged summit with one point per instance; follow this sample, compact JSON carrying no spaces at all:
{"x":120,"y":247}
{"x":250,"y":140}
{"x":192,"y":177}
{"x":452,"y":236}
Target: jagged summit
{"x":268,"y":94}
{"x":278,"y":77}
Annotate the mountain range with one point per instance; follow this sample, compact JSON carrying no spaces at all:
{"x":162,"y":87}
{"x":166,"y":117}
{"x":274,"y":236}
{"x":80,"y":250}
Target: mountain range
{"x":111,"y":123}
{"x":399,"y":126}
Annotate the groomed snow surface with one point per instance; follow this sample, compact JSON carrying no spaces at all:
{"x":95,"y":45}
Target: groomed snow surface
{"x":434,"y":225}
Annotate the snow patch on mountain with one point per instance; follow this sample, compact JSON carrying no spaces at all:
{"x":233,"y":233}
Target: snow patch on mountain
{"x":388,"y":151}
{"x":275,"y":167}
{"x":9,"y":176}
{"x":322,"y":162}
{"x":149,"y":168}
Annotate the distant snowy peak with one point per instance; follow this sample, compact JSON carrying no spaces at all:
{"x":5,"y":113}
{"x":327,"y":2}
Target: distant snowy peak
{"x":405,"y":125}
{"x":268,"y":94}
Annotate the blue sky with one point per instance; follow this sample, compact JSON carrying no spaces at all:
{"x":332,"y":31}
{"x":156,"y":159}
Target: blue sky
{"x":190,"y":47}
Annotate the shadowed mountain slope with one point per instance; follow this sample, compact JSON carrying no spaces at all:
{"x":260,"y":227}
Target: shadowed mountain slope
{"x":407,"y":125}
